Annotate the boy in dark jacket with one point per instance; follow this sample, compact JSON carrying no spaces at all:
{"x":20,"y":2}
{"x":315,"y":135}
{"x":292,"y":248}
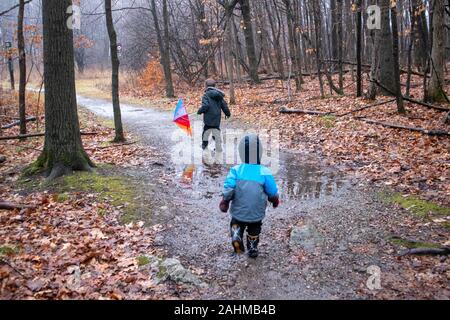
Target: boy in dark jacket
{"x":248,"y":187}
{"x":213,"y":104}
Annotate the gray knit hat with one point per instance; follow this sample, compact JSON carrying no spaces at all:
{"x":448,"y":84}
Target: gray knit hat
{"x":210,"y":83}
{"x":251,"y":149}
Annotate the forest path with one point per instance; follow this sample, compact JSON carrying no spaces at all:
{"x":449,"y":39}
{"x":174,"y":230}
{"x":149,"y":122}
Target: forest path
{"x":339,"y":227}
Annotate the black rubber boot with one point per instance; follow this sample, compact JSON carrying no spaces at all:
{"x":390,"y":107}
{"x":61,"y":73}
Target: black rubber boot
{"x":252,"y":246}
{"x":236,"y":239}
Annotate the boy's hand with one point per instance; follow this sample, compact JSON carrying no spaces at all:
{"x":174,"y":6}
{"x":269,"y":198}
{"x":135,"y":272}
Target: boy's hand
{"x":275,"y":201}
{"x":224,"y":206}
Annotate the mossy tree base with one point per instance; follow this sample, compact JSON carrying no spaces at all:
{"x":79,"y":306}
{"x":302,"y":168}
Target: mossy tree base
{"x":436,"y":96}
{"x":55,"y":166}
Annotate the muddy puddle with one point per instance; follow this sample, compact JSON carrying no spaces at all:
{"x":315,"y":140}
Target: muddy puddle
{"x":299,"y":176}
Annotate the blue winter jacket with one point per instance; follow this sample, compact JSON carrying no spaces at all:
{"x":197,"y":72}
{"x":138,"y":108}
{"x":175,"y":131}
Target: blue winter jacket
{"x":249,"y":186}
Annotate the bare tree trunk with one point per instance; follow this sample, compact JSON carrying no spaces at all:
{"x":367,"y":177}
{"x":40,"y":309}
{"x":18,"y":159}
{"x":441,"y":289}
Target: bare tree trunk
{"x":115,"y":73}
{"x":167,"y":70}
{"x":22,"y":67}
{"x":413,"y":9}
{"x":164,"y":46}
{"x":276,"y":34}
{"x":375,"y":64}
{"x":249,"y":40}
{"x":334,"y":30}
{"x":423,"y":48}
{"x":358,"y":49}
{"x":435,"y":90}
{"x":229,"y":54}
{"x":11,"y":72}
{"x":63,"y":149}
{"x":317,"y":27}
{"x":386,"y":51}
{"x":340,"y":45}
{"x":398,"y":90}
{"x":292,"y":50}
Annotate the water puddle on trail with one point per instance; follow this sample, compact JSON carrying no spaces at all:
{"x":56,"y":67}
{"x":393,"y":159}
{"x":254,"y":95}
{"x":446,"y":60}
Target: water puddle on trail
{"x":302,"y":178}
{"x":299,"y":178}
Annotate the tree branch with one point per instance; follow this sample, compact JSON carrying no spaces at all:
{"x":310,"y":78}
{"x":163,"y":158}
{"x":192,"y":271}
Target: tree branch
{"x":12,"y":8}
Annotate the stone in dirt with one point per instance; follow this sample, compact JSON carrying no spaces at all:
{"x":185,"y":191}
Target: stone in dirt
{"x":172,"y":269}
{"x":305,"y":237}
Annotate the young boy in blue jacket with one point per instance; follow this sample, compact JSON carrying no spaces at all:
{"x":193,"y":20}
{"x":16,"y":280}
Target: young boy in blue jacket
{"x":248,"y":187}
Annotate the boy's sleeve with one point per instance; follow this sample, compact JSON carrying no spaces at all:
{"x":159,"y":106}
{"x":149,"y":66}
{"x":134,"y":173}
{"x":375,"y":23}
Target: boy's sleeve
{"x":225,"y":108}
{"x":230,"y":185}
{"x":205,"y":105}
{"x":270,"y":186}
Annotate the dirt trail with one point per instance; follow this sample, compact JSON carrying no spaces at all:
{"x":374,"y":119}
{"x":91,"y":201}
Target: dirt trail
{"x":342,"y":225}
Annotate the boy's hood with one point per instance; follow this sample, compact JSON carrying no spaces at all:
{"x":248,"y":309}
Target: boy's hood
{"x":215,"y":93}
{"x":251,"y":149}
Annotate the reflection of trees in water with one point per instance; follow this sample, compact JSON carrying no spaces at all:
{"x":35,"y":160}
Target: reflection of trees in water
{"x":308,"y":182}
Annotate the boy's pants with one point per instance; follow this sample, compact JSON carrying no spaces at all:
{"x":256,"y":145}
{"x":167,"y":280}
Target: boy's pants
{"x":253,"y":228}
{"x":217,"y":136}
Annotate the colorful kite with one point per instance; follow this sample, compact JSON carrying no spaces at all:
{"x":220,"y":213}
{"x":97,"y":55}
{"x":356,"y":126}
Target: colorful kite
{"x":181,"y":118}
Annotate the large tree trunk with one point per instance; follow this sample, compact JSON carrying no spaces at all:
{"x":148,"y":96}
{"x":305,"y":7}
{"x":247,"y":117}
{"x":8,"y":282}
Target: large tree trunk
{"x":63,"y":149}
{"x":22,"y":68}
{"x":115,"y":73}
{"x":396,"y":57}
{"x":435,"y":90}
{"x":250,"y":40}
{"x":386,"y":51}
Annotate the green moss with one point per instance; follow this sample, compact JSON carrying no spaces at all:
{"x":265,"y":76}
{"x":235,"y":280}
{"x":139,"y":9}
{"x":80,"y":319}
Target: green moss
{"x":61,"y":197}
{"x":328,"y":121}
{"x":112,"y":188}
{"x":102,"y":212}
{"x":118,"y":191}
{"x":108,"y":123}
{"x":446,"y":225}
{"x":437,"y":96}
{"x":34,"y":168}
{"x":7,"y":251}
{"x":409,"y":244}
{"x":417,"y":206}
{"x":162,"y":272}
{"x":143,"y":261}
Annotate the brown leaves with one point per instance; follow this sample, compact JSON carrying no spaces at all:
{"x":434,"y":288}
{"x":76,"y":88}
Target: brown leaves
{"x":64,"y":248}
{"x":65,"y":252}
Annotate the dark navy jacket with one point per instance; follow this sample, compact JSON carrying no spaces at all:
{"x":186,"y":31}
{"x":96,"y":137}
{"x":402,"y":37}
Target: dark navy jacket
{"x":213,"y":103}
